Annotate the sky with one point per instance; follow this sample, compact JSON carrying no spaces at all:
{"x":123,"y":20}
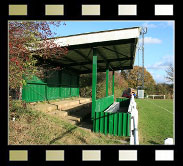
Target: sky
{"x":158,"y":46}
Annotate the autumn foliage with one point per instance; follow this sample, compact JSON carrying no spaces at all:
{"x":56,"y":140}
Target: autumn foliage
{"x":27,"y":41}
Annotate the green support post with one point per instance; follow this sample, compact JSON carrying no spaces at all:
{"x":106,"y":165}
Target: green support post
{"x":113,"y":83}
{"x":107,"y":81}
{"x":103,"y":119}
{"x":94,"y":87}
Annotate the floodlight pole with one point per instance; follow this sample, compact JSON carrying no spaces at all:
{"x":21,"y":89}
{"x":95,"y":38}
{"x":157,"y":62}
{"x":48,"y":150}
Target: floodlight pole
{"x":143,"y":31}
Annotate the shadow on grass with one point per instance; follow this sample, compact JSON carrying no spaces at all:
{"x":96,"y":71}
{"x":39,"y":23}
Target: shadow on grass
{"x":68,"y":132}
{"x":61,"y":136}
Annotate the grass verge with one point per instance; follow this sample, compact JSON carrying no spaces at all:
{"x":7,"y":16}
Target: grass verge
{"x":155,"y":120}
{"x":37,"y":128}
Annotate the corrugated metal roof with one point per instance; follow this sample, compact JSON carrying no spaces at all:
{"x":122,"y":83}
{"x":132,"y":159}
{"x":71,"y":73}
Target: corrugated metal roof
{"x":115,"y":47}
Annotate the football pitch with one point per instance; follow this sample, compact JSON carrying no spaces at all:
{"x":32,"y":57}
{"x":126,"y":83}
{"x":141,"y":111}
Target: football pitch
{"x":156,"y":120}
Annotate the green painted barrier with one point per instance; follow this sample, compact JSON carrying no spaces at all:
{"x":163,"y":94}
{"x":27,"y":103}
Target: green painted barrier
{"x":117,"y":124}
{"x":120,"y":116}
{"x":58,"y":85}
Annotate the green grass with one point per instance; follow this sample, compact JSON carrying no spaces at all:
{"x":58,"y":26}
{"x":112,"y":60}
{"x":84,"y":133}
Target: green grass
{"x":155,"y":120}
{"x":36,"y":128}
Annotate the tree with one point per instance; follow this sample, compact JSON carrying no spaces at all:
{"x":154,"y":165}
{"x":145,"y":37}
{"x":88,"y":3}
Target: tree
{"x":27,"y":38}
{"x":169,"y":72}
{"x":134,"y":77}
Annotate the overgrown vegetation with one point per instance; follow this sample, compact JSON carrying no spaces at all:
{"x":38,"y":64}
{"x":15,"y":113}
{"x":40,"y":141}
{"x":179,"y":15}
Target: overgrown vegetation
{"x":29,"y":51}
{"x":86,"y":84}
{"x":29,"y":127}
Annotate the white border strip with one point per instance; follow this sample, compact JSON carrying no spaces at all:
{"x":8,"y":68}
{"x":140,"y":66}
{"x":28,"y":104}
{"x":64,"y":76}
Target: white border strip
{"x":130,"y":10}
{"x":163,"y":10}
{"x":127,"y":155}
{"x":164,"y":155}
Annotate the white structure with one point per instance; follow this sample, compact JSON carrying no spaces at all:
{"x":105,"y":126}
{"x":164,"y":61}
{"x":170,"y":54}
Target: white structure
{"x":153,"y":96}
{"x":140,"y":94}
{"x":168,"y":141}
{"x":134,"y":139}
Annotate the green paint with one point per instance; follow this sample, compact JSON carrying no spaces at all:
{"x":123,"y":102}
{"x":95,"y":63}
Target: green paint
{"x":107,"y":82}
{"x":102,"y":122}
{"x":113,"y":83}
{"x":94,"y":124}
{"x":106,"y":124}
{"x":120,"y":116}
{"x":56,"y":86}
{"x":111,"y":122}
{"x":124,"y":124}
{"x":128,"y":124}
{"x":115,"y":123}
{"x":97,"y":122}
{"x":103,"y":103}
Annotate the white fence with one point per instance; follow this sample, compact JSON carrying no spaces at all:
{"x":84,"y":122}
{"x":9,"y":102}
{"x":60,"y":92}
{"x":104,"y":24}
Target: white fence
{"x":153,"y":96}
{"x":134,"y":139}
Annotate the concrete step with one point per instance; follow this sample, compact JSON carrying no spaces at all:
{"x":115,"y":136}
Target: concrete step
{"x":85,"y":100}
{"x":68,"y":104}
{"x":80,"y":111}
{"x":72,"y":110}
{"x":73,"y":120}
{"x":44,"y":107}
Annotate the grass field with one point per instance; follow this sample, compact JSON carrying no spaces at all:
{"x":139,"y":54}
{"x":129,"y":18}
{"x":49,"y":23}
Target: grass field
{"x":155,"y":120}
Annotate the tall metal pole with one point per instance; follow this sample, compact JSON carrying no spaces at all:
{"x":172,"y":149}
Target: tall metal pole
{"x":144,"y":31}
{"x":142,"y":60}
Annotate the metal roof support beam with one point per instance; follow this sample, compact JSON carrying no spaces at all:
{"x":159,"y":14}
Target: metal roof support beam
{"x":49,"y":62}
{"x":82,"y":55}
{"x":76,"y":62}
{"x":103,"y":70}
{"x":104,"y":58}
{"x":99,"y":61}
{"x":85,"y":57}
{"x":116,"y":54}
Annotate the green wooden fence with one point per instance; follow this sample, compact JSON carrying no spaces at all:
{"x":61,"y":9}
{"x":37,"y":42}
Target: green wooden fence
{"x":57,"y":85}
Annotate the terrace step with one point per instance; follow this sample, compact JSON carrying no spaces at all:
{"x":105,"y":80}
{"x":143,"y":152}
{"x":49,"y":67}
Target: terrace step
{"x":71,"y":110}
{"x":68,"y":104}
{"x":81,"y":111}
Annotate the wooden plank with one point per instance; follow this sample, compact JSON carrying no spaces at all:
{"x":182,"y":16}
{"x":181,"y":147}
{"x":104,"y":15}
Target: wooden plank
{"x":124,"y":124}
{"x":111,"y":122}
{"x":115,"y":123}
{"x":106,"y":124}
{"x":128,"y":124}
{"x":120,"y":116}
{"x":102,"y":122}
{"x":97,"y":122}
